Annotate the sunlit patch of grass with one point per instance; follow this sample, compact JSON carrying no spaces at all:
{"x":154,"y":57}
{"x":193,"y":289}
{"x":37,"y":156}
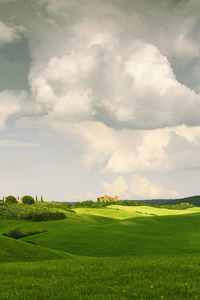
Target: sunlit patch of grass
{"x":153,"y":211}
{"x":108,"y":212}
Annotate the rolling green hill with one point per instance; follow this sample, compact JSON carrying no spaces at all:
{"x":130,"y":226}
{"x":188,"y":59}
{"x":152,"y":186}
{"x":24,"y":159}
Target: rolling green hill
{"x":111,"y":253}
{"x":152,"y":211}
{"x":108,"y":212}
{"x":192,"y":200}
{"x":115,"y":231}
{"x":125,"y":212}
{"x":15,"y":250}
{"x":195,"y":200}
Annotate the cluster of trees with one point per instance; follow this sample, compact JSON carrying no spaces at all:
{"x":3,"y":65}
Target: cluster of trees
{"x":34,"y":212}
{"x":92,"y":204}
{"x":25,"y":199}
{"x":38,"y":211}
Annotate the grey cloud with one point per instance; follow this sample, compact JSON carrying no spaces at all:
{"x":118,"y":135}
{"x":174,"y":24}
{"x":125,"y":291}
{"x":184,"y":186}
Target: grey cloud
{"x":115,"y":100}
{"x":14,"y":60}
{"x":129,"y":88}
{"x":157,"y":22}
{"x":182,"y":154}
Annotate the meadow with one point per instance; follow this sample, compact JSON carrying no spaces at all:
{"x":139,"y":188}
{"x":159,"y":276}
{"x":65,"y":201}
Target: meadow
{"x":117,"y":252}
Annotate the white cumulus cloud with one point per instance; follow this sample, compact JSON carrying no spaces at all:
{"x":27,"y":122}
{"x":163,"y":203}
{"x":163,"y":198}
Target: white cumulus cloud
{"x":117,"y":187}
{"x":139,"y":187}
{"x":142,"y":188}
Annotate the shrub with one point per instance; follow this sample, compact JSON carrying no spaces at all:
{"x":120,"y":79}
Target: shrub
{"x":56,"y":205}
{"x":28,"y":200}
{"x":15,"y":233}
{"x":47,"y":215}
{"x":18,"y":234}
{"x":11,"y":200}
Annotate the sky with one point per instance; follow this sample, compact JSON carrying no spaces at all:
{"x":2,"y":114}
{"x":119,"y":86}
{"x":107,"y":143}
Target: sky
{"x":99,"y":97}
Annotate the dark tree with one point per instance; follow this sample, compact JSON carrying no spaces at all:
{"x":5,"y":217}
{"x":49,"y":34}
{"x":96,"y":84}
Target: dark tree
{"x":28,"y":200}
{"x":11,"y":200}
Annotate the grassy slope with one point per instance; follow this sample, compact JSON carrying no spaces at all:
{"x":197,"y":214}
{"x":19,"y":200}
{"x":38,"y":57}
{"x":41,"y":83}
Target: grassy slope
{"x":15,"y":250}
{"x":99,"y":236}
{"x":119,"y":273}
{"x":152,"y":235}
{"x":192,"y":200}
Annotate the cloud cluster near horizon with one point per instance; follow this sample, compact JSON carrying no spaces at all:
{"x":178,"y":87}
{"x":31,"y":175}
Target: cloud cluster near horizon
{"x":137,"y":188}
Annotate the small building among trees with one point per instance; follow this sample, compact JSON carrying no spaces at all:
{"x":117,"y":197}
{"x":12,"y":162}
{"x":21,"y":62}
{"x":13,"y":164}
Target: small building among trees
{"x":106,"y":198}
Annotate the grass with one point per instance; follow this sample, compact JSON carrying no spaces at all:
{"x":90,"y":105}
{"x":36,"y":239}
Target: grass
{"x":148,"y":210}
{"x":13,"y":250}
{"x":103,"y":278}
{"x":108,"y":212}
{"x":110,"y":253}
{"x":101,"y":237}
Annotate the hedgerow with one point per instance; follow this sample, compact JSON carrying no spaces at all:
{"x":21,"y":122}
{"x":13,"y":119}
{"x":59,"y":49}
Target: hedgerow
{"x":34,"y":212}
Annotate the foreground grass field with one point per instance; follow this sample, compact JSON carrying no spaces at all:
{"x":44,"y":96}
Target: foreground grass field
{"x":103,"y":278}
{"x":123,"y":253}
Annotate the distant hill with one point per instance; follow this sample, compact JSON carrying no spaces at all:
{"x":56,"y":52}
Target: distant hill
{"x":195,"y":200}
{"x":192,"y":200}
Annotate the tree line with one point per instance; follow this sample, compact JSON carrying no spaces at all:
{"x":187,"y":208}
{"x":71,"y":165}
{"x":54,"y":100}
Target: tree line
{"x":25,"y":199}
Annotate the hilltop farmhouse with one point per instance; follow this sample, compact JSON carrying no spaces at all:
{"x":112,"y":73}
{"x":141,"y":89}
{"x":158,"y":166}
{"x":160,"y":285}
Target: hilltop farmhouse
{"x":106,"y":198}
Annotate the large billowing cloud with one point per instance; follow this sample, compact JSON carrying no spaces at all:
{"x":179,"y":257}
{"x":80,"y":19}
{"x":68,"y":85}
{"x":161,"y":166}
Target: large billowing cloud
{"x":123,"y":102}
{"x":123,"y":86}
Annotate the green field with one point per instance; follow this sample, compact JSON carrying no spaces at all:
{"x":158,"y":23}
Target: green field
{"x":117,"y":252}
{"x":124,"y":212}
{"x":148,"y":210}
